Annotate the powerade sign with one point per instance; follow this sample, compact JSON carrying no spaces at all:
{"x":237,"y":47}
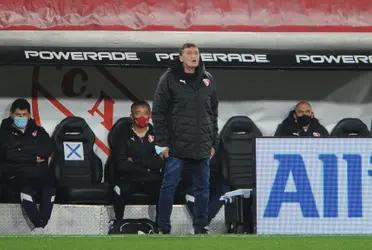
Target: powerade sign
{"x":314,"y":185}
{"x":212,"y":57}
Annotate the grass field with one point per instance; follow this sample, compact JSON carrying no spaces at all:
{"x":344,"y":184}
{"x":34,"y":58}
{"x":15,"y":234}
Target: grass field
{"x":229,"y":242}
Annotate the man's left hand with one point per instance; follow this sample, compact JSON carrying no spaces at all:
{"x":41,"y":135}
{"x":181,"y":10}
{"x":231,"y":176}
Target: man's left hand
{"x":213,"y":151}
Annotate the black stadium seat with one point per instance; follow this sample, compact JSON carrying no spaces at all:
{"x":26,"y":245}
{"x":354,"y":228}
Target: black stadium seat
{"x":350,"y":127}
{"x":77,"y":168}
{"x":112,"y":139}
{"x":237,"y":151}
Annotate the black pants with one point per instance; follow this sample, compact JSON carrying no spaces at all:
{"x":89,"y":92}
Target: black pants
{"x":32,"y":191}
{"x":217,"y":188}
{"x":123,"y":190}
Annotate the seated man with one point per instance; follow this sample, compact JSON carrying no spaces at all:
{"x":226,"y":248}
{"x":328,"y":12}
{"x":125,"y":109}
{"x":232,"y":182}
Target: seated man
{"x":301,"y":122}
{"x":25,"y":149}
{"x":137,"y":166}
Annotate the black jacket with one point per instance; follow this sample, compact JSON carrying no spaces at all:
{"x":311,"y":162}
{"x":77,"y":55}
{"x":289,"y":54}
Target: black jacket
{"x":185,"y":112}
{"x":20,"y":150}
{"x":289,"y":127}
{"x":146,"y":165}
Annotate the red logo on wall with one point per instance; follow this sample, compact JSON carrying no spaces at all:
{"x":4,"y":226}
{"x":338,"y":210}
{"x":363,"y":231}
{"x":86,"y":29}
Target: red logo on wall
{"x":100,"y":110}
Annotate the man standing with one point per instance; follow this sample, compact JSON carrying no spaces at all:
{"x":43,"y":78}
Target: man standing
{"x":25,"y":149}
{"x":301,"y":122}
{"x":185,"y":112}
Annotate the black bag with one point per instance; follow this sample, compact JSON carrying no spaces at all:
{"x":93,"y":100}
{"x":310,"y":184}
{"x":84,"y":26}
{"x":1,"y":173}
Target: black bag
{"x":133,"y":226}
{"x":240,"y":211}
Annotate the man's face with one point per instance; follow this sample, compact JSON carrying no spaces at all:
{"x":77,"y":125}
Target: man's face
{"x":303,"y":109}
{"x":141,"y":111}
{"x":21,"y":113}
{"x":190,"y":57}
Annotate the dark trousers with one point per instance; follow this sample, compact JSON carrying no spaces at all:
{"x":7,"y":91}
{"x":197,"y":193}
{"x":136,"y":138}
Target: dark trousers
{"x":172,"y":177}
{"x":216,"y":190}
{"x":123,"y":190}
{"x":32,"y":191}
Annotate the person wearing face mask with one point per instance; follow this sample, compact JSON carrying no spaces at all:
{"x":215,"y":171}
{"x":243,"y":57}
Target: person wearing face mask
{"x":137,"y":167}
{"x":25,"y":149}
{"x":301,"y":122}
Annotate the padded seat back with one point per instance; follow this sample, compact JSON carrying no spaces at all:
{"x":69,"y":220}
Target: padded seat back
{"x":75,"y":162}
{"x":113,"y":137}
{"x":350,"y":127}
{"x":237,"y":151}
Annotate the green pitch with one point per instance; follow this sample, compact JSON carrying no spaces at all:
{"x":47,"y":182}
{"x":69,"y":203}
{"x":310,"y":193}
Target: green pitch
{"x":225,"y":242}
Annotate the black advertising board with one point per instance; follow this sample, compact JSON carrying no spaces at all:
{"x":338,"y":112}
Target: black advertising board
{"x":155,"y":57}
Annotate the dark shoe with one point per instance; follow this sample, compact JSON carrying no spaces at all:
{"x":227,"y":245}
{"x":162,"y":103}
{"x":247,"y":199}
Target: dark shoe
{"x":164,"y":231}
{"x":203,"y":230}
{"x":43,"y":223}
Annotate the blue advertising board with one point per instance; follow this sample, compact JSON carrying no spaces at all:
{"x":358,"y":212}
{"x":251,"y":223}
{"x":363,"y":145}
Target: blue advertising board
{"x":314,"y":185}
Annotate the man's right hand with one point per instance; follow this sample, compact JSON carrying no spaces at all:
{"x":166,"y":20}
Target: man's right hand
{"x":165,"y":154}
{"x":39,"y":159}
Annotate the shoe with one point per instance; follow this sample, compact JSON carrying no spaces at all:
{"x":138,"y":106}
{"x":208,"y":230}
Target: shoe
{"x":203,"y":230}
{"x":164,"y":231}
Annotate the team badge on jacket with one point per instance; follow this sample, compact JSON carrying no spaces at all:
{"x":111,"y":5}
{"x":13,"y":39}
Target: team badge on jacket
{"x":206,"y":82}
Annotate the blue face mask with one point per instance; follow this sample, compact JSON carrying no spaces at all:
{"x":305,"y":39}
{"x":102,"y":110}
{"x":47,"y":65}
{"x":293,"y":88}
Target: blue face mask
{"x":20,"y":122}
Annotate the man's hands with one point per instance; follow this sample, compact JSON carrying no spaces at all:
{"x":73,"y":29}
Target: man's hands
{"x":165,"y":154}
{"x":39,"y":159}
{"x":213,"y":151}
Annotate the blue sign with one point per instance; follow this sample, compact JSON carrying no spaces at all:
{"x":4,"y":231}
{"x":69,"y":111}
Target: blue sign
{"x":314,"y":185}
